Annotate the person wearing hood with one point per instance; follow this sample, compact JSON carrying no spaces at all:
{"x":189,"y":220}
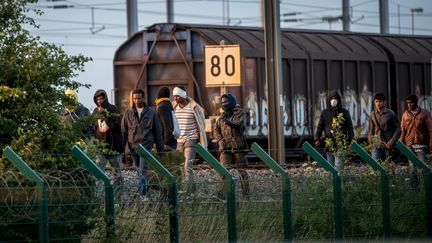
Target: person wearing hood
{"x":326,"y":124}
{"x":164,"y":110}
{"x":140,"y":125}
{"x":229,"y":134}
{"x":73,"y":110}
{"x":107,"y":130}
{"x":191,"y":120}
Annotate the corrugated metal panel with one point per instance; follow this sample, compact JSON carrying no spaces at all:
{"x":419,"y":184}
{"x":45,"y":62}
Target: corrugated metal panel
{"x":407,"y":49}
{"x":332,"y":45}
{"x":252,"y":38}
{"x":339,"y":45}
{"x":296,"y":43}
{"x":132,"y":49}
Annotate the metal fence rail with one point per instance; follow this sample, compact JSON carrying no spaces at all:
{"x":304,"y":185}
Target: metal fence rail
{"x":337,"y":187}
{"x":385,"y":199}
{"x":42,"y":191}
{"x":285,"y":186}
{"x":308,"y":203}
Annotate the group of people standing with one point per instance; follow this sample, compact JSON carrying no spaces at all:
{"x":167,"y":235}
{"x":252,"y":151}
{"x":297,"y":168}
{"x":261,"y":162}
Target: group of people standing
{"x":414,"y":130}
{"x":180,"y":125}
{"x":158,"y":127}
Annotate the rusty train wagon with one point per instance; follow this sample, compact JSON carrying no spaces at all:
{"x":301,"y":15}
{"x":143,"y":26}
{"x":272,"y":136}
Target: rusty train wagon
{"x":313,"y":64}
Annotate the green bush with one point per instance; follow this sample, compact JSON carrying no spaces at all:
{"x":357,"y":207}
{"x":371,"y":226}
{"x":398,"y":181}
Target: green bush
{"x":33,"y":77}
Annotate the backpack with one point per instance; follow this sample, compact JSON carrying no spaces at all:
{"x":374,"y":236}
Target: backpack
{"x":176,"y":127}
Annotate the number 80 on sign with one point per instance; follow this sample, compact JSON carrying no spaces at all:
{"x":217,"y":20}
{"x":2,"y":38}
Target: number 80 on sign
{"x":222,"y":65}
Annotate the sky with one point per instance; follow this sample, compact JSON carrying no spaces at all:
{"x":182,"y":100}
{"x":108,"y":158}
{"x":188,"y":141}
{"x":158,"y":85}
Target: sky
{"x":96,"y":28}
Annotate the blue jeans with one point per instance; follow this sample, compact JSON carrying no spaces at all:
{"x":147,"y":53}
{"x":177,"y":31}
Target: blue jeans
{"x":338,"y":161}
{"x":140,"y":165}
{"x":379,"y":154}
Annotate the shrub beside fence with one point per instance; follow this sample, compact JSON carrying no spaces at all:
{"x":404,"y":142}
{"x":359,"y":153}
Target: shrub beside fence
{"x":314,"y":202}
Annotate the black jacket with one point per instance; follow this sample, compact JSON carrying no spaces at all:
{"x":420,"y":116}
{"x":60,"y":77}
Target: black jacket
{"x":164,"y":110}
{"x":111,"y":115}
{"x":326,"y":118}
{"x":229,"y":129}
{"x":145,"y":131}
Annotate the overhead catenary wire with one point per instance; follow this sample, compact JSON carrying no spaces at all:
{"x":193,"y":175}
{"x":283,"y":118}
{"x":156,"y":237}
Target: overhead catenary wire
{"x":401,"y":5}
{"x":244,"y":19}
{"x":69,"y":34}
{"x":394,"y":27}
{"x":86,"y":45}
{"x":363,"y":3}
{"x":75,"y":22}
{"x":161,"y":13}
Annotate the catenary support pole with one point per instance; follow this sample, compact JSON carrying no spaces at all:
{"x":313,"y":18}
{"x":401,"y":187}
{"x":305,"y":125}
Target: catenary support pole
{"x":273,"y":60}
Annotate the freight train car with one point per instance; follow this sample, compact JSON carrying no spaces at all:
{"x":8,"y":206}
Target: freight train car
{"x":313,"y":64}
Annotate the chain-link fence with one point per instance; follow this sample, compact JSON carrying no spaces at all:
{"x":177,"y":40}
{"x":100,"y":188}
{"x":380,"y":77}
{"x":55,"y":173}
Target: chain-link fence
{"x":306,"y":203}
{"x":73,"y":208}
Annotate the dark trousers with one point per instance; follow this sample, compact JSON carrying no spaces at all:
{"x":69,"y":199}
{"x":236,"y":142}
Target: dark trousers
{"x":237,"y":161}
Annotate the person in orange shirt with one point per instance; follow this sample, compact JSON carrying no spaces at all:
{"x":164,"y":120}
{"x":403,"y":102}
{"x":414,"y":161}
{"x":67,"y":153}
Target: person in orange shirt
{"x":416,"y":128}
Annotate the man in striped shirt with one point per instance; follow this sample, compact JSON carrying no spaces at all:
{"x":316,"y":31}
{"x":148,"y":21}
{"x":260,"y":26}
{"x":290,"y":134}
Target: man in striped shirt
{"x":191,"y":120}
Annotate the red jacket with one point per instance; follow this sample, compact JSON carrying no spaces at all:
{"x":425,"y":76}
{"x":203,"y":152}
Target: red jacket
{"x":416,"y":129}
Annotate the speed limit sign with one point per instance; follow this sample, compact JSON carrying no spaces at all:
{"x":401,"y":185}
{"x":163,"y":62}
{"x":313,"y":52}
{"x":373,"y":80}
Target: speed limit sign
{"x":222,"y":65}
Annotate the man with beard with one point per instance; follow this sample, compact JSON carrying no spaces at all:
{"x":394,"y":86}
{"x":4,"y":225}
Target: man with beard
{"x":109,"y":133}
{"x":140,"y":125}
{"x":416,"y":132}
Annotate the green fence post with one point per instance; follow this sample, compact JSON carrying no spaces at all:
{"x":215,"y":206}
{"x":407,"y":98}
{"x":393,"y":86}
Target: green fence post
{"x":109,"y":190}
{"x":30,"y":174}
{"x":229,"y":188}
{"x":286,"y":189}
{"x":337,"y":186}
{"x":427,"y":181}
{"x":385,"y":196}
{"x":172,"y":191}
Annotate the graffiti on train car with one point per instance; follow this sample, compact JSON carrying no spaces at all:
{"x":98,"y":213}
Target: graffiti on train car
{"x":426,"y":102}
{"x":258,"y":114}
{"x":252,"y":114}
{"x":358,"y":105}
{"x":296,"y":123}
{"x":299,"y":115}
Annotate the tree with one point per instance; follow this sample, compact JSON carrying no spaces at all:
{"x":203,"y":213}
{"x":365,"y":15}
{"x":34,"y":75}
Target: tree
{"x":33,"y":77}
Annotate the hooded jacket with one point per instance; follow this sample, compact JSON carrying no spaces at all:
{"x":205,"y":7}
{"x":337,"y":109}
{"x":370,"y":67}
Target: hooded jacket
{"x":111,"y":115}
{"x":326,"y":119}
{"x":200,"y":119}
{"x":230,"y":126}
{"x":145,"y":130}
